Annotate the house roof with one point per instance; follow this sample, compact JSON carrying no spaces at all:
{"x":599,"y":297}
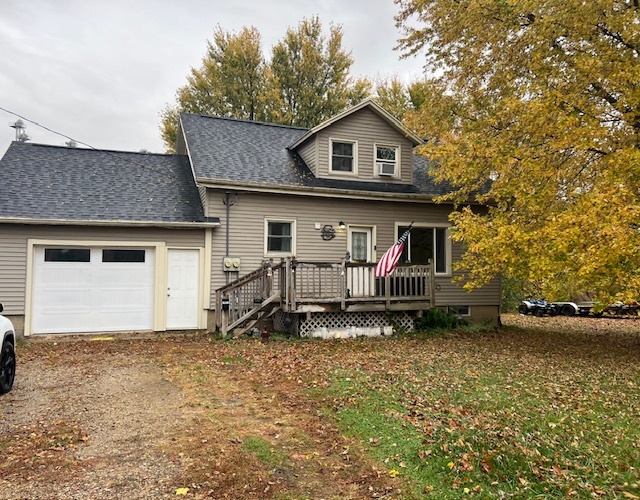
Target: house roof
{"x":367,"y":103}
{"x":53,"y":183}
{"x":256,"y":154}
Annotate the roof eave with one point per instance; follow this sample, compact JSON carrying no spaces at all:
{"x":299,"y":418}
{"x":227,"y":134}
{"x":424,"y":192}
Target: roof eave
{"x":108,"y":223}
{"x":314,"y":191}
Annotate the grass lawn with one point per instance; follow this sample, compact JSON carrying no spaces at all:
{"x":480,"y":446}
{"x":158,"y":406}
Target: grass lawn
{"x":530,"y":414}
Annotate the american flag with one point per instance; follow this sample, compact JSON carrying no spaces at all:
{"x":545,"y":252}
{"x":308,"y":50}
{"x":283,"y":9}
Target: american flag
{"x":390,"y":259}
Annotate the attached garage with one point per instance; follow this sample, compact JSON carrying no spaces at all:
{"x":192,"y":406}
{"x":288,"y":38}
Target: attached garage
{"x":83,"y":289}
{"x":102,"y":241}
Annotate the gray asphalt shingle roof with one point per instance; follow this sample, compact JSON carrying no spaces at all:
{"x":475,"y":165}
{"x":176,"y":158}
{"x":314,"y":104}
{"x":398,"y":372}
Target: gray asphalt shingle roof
{"x":253,"y":152}
{"x":61,"y":183}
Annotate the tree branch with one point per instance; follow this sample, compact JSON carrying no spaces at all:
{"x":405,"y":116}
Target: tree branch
{"x":617,"y":36}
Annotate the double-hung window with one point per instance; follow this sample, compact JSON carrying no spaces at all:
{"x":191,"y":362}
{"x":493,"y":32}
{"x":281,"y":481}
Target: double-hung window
{"x":279,"y":237}
{"x":387,"y":160}
{"x":343,"y":156}
{"x":426,"y":243}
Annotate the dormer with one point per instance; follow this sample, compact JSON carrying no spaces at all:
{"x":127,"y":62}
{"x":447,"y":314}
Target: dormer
{"x":363,"y":143}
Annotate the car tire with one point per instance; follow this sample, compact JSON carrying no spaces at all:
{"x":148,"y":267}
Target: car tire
{"x":7,"y":367}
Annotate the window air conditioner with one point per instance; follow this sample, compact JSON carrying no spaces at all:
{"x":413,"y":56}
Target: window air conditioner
{"x":386,"y":168}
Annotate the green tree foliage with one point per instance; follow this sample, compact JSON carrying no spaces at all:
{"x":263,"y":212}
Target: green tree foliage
{"x":311,"y":74}
{"x":399,"y":99}
{"x":541,"y":97}
{"x":230,"y":82}
{"x":305,"y":82}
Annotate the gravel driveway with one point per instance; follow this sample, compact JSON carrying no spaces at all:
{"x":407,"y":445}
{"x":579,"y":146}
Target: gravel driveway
{"x":85,"y":424}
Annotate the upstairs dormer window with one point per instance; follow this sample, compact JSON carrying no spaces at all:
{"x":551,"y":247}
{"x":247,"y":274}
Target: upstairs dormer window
{"x":343,"y":156}
{"x":387,"y":160}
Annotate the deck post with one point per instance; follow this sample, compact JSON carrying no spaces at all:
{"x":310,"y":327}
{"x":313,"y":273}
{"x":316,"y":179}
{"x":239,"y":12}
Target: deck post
{"x":343,"y":285}
{"x":387,"y":290}
{"x":432,"y":284}
{"x":283,"y":285}
{"x":267,"y":288}
{"x":292,"y":282}
{"x":225,"y":315}
{"x":218,"y":309}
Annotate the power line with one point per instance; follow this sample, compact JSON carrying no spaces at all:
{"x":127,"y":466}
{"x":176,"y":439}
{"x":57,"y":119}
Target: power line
{"x":48,"y":129}
{"x":72,"y":139}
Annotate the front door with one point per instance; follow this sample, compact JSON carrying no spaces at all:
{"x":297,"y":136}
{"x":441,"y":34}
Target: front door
{"x":182,"y":289}
{"x":360,"y":280}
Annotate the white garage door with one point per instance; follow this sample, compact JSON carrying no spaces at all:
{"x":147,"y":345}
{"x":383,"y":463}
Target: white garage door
{"x":93,"y":289}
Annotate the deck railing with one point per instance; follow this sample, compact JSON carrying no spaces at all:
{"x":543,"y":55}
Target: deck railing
{"x":295,"y":285}
{"x":241,"y":299}
{"x":354,"y":282}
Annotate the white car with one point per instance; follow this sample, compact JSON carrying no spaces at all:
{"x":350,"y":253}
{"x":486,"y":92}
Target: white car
{"x":8,"y":354}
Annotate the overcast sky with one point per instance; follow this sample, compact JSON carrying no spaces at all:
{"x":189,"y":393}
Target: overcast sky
{"x":100,"y":71}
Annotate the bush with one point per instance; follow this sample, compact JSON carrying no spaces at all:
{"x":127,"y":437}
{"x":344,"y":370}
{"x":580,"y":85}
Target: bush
{"x":513,"y":291}
{"x":438,"y":319}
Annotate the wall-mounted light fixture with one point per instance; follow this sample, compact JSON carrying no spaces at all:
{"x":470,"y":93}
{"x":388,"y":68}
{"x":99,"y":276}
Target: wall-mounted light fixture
{"x":342,"y":225}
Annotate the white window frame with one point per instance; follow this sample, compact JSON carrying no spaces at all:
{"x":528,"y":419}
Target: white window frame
{"x":453,"y":310}
{"x":267,"y":220}
{"x":448,"y":243}
{"x":396,"y":172}
{"x":372,"y":242}
{"x":354,"y":143}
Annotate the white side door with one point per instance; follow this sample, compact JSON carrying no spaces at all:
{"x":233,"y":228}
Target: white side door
{"x":360,"y":280}
{"x":183,"y":285}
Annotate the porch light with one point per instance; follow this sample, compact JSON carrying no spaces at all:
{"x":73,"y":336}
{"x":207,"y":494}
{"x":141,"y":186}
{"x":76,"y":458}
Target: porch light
{"x":342,"y":225}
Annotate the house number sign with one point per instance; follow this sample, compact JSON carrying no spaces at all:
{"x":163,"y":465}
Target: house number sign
{"x":328,"y":233}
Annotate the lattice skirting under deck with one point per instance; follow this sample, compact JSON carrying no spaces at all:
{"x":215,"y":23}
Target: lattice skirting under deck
{"x":341,"y":324}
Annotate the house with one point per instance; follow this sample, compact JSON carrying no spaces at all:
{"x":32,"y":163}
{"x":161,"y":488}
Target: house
{"x":95,"y":241}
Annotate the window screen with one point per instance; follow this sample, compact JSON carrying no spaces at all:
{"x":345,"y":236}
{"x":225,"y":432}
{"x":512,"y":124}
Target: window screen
{"x":279,"y":237}
{"x":342,"y":156}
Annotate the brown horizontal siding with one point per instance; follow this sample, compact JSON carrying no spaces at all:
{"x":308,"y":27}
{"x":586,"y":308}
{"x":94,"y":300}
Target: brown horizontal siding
{"x":308,"y":153}
{"x":13,"y":271}
{"x":202,"y":191}
{"x":13,"y":250}
{"x":368,"y":129}
{"x":452,"y":293}
{"x":246,"y":235}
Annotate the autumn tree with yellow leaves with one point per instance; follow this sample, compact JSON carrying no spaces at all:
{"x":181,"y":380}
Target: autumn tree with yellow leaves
{"x":534,"y":109}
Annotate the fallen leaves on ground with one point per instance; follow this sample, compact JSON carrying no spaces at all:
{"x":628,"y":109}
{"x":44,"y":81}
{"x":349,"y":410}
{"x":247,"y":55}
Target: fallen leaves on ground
{"x":544,"y":406}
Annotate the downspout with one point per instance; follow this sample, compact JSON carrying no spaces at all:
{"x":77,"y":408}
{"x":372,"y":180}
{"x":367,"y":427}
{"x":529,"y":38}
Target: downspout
{"x":228,"y":212}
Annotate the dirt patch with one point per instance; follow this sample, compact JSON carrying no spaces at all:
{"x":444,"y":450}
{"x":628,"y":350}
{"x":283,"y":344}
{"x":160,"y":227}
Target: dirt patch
{"x":98,"y":421}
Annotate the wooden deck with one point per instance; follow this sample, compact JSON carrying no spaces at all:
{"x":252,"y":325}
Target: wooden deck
{"x":300,"y":287}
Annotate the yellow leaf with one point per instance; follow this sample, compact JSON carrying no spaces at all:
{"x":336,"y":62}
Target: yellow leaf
{"x":629,"y":495}
{"x":393,"y":473}
{"x":182,"y":491}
